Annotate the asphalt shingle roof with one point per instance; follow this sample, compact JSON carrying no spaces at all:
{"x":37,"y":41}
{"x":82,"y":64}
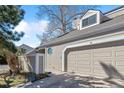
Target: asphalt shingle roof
{"x":110,"y":26}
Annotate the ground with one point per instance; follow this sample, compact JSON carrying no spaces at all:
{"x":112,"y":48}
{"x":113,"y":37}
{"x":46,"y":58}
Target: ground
{"x":65,"y":80}
{"x":11,"y":81}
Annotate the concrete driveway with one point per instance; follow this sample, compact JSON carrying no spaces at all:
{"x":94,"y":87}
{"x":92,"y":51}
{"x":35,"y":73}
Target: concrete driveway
{"x":74,"y":81}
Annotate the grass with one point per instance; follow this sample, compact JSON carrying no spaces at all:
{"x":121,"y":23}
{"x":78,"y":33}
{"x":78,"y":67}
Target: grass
{"x":21,"y":78}
{"x":12,"y":81}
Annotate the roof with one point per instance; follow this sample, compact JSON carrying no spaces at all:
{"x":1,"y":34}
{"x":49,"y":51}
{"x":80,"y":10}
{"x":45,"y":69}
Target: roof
{"x":35,"y":51}
{"x":122,"y":6}
{"x":111,"y":26}
{"x":26,"y":47}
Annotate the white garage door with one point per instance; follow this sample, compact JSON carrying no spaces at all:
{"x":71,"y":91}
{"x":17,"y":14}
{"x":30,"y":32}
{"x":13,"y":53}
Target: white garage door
{"x":79,"y":62}
{"x":102,"y":58}
{"x":97,"y":61}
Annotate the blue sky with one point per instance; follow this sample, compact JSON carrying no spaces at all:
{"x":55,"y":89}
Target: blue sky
{"x":31,"y":26}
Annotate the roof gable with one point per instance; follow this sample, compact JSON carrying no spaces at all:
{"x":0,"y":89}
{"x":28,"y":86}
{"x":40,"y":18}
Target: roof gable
{"x":26,"y":47}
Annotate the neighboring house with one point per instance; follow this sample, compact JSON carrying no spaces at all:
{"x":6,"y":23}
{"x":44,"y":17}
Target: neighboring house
{"x":25,"y":48}
{"x":23,"y":61}
{"x":94,"y":48}
{"x":31,"y":60}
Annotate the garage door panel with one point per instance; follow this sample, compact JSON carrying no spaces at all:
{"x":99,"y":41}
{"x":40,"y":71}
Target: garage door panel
{"x":98,"y":62}
{"x":71,"y":65}
{"x":119,"y":48}
{"x":71,"y":60}
{"x":86,"y":71}
{"x":83,"y":62}
{"x":119,"y":62}
{"x":120,"y":69}
{"x":83,"y":55}
{"x":99,"y":67}
{"x":100,"y":73}
{"x":80,"y":61}
{"x":119,"y":59}
{"x":84,"y":68}
{"x":71,"y":57}
{"x":71,"y":70}
{"x":103,"y":54}
{"x":89,"y":61}
{"x":120,"y":53}
{"x":102,"y":59}
{"x":84,"y":59}
{"x":84,"y":51}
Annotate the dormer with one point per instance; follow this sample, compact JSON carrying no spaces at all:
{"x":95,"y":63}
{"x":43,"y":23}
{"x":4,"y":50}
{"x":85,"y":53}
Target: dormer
{"x":91,"y":18}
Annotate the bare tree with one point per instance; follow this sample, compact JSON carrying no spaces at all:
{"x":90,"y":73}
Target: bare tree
{"x":61,"y":17}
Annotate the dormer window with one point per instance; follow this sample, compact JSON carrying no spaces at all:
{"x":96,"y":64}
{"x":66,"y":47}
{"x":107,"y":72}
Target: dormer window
{"x":90,"y":18}
{"x":89,"y":21}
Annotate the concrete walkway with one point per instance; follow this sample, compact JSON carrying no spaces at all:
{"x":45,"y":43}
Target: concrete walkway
{"x":74,"y":81}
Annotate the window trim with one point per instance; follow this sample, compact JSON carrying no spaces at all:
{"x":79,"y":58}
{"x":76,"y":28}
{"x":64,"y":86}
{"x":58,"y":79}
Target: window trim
{"x":88,"y":19}
{"x":89,"y":15}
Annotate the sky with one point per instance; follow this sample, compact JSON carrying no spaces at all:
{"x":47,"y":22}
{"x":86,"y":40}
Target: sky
{"x":31,"y":26}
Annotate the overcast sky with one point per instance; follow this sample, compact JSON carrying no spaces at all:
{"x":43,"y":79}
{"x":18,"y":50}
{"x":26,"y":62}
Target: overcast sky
{"x":31,"y":26}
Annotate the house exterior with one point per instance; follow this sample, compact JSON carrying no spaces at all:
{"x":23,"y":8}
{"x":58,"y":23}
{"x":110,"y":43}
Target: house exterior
{"x":25,"y":48}
{"x":95,"y":48}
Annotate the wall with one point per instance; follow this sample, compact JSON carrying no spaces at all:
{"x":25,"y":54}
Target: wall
{"x":54,"y":61}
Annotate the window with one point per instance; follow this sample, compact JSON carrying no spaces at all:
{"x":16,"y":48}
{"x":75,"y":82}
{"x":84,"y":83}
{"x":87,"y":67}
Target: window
{"x":50,"y":51}
{"x":89,"y":21}
{"x":85,"y":22}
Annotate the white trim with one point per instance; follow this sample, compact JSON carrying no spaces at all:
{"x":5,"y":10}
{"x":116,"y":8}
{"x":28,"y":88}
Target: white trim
{"x":45,"y":58}
{"x":96,"y":40}
{"x":37,"y":64}
{"x":43,"y":63}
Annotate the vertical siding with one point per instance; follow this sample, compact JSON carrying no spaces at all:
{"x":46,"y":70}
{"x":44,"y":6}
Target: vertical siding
{"x":54,"y":60}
